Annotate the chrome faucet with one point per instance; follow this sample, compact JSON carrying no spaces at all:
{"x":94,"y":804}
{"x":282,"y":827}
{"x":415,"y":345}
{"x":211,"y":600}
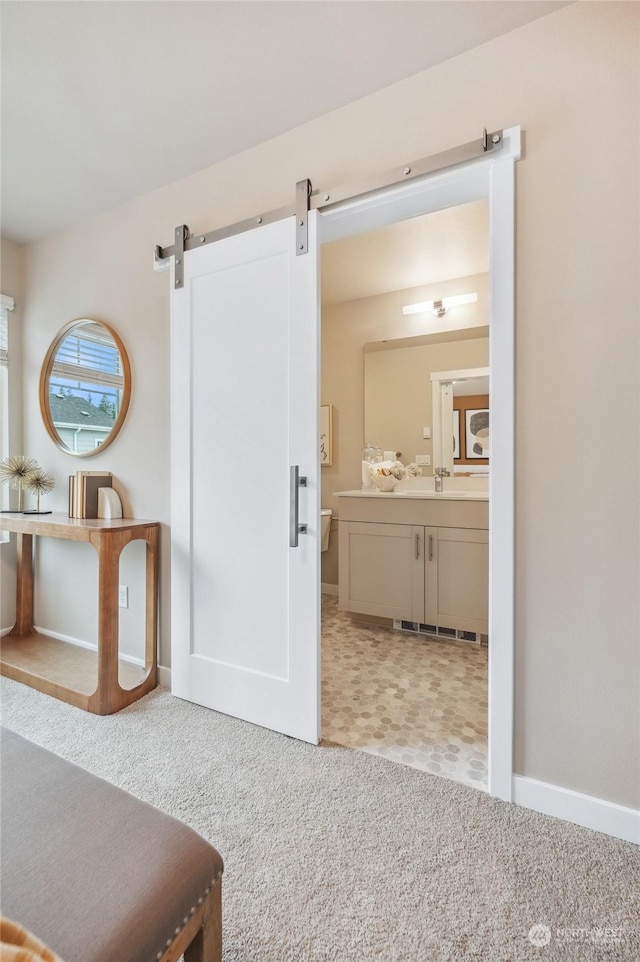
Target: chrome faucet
{"x":439,"y":474}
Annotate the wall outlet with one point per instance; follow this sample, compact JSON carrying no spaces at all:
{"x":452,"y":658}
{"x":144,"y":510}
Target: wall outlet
{"x":423,"y":459}
{"x":123,"y":597}
{"x":426,"y":434}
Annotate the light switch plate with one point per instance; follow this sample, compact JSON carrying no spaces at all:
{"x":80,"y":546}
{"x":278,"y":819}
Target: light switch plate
{"x":426,"y":433}
{"x":423,"y":459}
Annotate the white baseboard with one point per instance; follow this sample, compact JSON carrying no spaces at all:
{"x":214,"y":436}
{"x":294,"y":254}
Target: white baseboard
{"x":164,"y":677}
{"x":164,"y":674}
{"x":5,"y":631}
{"x":327,"y":589}
{"x":79,"y":643}
{"x":585,"y":810}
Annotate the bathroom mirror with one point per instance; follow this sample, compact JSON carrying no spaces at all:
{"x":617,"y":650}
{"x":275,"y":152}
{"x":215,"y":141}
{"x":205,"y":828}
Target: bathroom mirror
{"x":398,"y":399}
{"x":85,"y":387}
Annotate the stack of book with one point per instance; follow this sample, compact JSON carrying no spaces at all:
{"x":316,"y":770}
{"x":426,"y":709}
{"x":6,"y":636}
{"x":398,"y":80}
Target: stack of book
{"x":83,"y":492}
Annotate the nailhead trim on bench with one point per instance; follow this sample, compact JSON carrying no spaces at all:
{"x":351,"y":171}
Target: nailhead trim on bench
{"x":194,"y":909}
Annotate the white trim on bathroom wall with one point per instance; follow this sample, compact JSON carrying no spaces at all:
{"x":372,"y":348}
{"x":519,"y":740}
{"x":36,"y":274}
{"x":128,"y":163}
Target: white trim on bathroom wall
{"x":585,"y":810}
{"x":328,"y":589}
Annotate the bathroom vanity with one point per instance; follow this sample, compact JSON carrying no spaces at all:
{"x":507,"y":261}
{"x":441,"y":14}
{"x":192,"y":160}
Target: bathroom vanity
{"x":417,"y":557}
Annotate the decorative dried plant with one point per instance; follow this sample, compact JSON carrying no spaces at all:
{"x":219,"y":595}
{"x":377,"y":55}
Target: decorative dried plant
{"x":39,"y":482}
{"x":15,"y":470}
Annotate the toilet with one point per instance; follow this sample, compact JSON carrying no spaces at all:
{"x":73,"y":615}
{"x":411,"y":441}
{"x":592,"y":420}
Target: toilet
{"x":325,"y":518}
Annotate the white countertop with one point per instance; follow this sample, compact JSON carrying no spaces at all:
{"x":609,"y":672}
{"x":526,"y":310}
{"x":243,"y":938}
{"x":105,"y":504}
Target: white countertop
{"x":416,"y":493}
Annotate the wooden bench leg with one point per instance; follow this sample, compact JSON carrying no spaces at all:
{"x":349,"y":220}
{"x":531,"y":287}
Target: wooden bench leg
{"x":201,"y":938}
{"x":207,"y":944}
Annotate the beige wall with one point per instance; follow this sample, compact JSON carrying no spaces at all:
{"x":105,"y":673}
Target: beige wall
{"x":12,"y":284}
{"x":571,"y":81}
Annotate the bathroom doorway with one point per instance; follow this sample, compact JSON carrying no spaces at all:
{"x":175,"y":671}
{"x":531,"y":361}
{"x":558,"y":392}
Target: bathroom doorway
{"x":410,"y":691}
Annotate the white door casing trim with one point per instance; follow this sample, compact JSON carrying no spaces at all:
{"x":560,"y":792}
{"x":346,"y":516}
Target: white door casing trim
{"x":491,"y":178}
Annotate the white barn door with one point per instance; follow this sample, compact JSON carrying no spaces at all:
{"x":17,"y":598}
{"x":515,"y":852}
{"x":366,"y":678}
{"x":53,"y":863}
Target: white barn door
{"x":245,"y":623}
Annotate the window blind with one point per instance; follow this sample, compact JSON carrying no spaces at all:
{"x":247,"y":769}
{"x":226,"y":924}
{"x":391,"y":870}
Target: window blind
{"x":90,"y":358}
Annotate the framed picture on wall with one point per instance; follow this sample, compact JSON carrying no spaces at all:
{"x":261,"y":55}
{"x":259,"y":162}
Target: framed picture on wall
{"x":456,"y":434}
{"x":326,"y":435}
{"x":476,"y":433}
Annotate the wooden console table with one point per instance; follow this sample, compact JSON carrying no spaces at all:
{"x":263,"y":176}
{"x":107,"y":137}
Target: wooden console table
{"x":88,"y":679}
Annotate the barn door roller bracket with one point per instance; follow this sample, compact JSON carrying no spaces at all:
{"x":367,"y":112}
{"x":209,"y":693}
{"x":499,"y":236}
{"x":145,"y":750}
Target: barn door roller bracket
{"x":303,"y":195}
{"x":182,"y":236}
{"x":495,"y":140}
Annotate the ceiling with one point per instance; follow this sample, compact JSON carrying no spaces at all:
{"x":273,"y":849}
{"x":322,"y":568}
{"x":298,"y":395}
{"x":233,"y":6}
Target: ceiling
{"x":413,"y":253}
{"x":105,"y":101}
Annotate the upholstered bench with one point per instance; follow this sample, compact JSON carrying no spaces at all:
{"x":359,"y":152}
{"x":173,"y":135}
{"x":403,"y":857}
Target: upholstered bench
{"x":98,"y":875}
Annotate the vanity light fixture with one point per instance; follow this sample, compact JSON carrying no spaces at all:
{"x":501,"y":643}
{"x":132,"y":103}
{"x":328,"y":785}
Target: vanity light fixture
{"x":439,"y":308}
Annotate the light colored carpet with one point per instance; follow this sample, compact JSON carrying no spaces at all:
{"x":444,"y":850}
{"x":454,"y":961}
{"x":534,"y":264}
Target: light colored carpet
{"x":333,"y":855}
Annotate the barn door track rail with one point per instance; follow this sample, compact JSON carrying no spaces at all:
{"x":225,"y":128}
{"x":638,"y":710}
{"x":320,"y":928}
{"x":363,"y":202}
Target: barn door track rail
{"x":307,"y":199}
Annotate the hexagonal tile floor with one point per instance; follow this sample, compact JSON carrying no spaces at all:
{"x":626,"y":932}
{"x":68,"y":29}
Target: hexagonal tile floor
{"x":412,"y":699}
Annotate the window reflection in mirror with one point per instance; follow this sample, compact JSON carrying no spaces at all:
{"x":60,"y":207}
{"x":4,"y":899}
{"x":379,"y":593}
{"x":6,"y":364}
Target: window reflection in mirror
{"x":85,"y":387}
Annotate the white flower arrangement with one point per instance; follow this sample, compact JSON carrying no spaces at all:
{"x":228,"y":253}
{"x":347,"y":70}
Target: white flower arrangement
{"x":402,"y":471}
{"x":382,"y":477}
{"x":386,"y":476}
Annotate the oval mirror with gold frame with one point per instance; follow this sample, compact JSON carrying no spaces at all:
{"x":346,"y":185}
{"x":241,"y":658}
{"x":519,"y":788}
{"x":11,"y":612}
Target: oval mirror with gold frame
{"x":85,"y":387}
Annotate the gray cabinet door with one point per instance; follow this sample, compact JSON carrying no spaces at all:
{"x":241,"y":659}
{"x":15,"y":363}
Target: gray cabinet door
{"x":457,"y":578}
{"x":382,"y":569}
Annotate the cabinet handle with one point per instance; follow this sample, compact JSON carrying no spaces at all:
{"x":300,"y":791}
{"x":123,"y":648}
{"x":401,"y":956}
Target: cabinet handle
{"x":417,"y":546}
{"x":430,"y":547}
